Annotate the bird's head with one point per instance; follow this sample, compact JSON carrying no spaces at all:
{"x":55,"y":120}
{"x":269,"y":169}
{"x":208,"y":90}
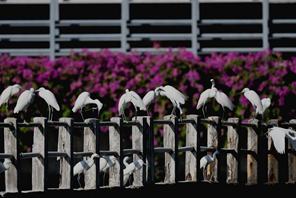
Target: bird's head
{"x":31,"y":89}
{"x":94,"y":155}
{"x":127,"y":90}
{"x":245,"y":90}
{"x":17,"y":86}
{"x":40,"y":89}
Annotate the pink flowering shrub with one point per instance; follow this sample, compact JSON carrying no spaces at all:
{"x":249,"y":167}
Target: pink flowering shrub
{"x":107,"y":74}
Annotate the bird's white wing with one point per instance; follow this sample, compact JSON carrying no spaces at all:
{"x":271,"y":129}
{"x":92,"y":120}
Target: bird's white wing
{"x":203,"y":98}
{"x":136,"y":100}
{"x":148,"y":98}
{"x":174,"y":93}
{"x":50,"y":99}
{"x":24,"y":100}
{"x":223,"y":100}
{"x":278,"y":138}
{"x":6,"y":93}
{"x":14,"y":90}
{"x":80,"y":101}
{"x":265,"y":103}
{"x":254,"y":99}
{"x":122,"y":103}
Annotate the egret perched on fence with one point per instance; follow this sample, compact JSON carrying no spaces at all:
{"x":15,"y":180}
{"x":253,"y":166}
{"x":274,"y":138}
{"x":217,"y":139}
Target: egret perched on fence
{"x":84,"y":99}
{"x":175,"y":96}
{"x":130,"y":168}
{"x":259,"y":105}
{"x":5,"y":165}
{"x":130,"y":97}
{"x":213,"y":92}
{"x":8,"y":93}
{"x":50,"y":99}
{"x":205,"y":161}
{"x":278,"y":135}
{"x":24,"y":100}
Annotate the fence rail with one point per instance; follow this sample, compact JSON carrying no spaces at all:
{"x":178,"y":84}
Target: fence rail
{"x":261,"y":165}
{"x":126,"y":31}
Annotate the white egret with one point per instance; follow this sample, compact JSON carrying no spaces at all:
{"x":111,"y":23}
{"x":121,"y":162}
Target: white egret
{"x":105,"y":163}
{"x":50,"y":99}
{"x":149,"y":97}
{"x":5,"y":165}
{"x":278,"y":135}
{"x":131,"y":168}
{"x":219,"y":96}
{"x":259,"y":105}
{"x":82,"y":100}
{"x":205,"y":161}
{"x":127,"y":97}
{"x":8,"y":92}
{"x":24,"y":100}
{"x":83,"y":165}
{"x":175,"y":96}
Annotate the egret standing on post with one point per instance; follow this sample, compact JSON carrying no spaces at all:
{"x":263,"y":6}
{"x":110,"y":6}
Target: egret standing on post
{"x":134,"y":98}
{"x":131,"y":168}
{"x":50,"y":99}
{"x":175,"y":96}
{"x":205,"y":161}
{"x":259,"y":105}
{"x":278,"y":135}
{"x":8,"y":93}
{"x":83,"y":100}
{"x":24,"y":100}
{"x":219,"y":96}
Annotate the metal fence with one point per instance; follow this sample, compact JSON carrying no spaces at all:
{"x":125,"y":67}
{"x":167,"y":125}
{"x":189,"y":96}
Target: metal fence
{"x":120,"y":27}
{"x":261,"y":165}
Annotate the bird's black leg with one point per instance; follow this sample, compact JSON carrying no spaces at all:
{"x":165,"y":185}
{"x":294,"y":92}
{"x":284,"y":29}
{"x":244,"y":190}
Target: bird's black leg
{"x":78,"y":179}
{"x":81,"y":113}
{"x":203,"y":111}
{"x":48,"y":116}
{"x":222,"y":113}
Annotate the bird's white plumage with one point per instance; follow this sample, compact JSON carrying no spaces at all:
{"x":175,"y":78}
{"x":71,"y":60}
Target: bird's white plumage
{"x":131,"y":168}
{"x":134,"y":98}
{"x":172,"y":92}
{"x":254,"y":99}
{"x":203,"y":98}
{"x":84,"y":165}
{"x":24,"y":100}
{"x":110,"y":161}
{"x":49,"y":98}
{"x":8,"y":92}
{"x":5,"y":165}
{"x":148,"y":98}
{"x":278,"y":139}
{"x":80,"y":101}
{"x":84,"y":99}
{"x":278,"y":135}
{"x":223,"y":100}
{"x":265,"y":103}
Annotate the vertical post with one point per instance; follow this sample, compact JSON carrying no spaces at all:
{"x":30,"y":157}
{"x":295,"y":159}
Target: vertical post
{"x":212,"y":134}
{"x":169,"y":142}
{"x":54,"y":16}
{"x":232,"y":143}
{"x":64,"y":145}
{"x":137,"y":143}
{"x":89,"y":145}
{"x":292,"y":162}
{"x":150,"y":149}
{"x":39,"y":164}
{"x":251,"y":159}
{"x":191,"y":157}
{"x":265,"y":22}
{"x":10,"y":147}
{"x":194,"y":27}
{"x":114,"y":145}
{"x":273,"y":164}
{"x":124,"y":20}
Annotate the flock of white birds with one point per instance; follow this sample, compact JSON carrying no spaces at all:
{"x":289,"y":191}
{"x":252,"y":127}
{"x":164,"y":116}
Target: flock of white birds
{"x":26,"y":98}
